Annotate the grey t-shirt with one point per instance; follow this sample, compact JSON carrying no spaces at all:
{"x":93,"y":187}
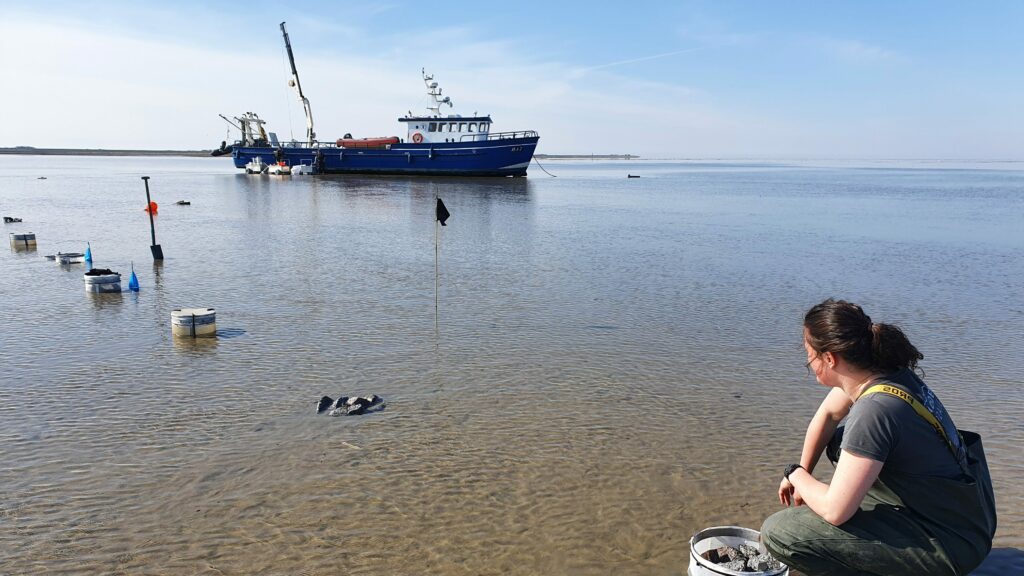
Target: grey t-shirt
{"x":885,"y":428}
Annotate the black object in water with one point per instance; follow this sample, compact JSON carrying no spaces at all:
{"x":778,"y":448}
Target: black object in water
{"x":346,"y":406}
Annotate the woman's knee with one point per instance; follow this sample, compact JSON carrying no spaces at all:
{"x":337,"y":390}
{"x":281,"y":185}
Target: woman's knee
{"x":776,"y":532}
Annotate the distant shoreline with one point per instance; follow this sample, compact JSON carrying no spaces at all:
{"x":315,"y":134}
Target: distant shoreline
{"x":28,"y":150}
{"x":587,"y":156}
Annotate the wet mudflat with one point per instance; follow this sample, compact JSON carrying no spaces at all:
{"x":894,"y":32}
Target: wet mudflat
{"x":617,"y":363}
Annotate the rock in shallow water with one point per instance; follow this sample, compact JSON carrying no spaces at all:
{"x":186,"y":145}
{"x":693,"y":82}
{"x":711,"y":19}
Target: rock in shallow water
{"x":354,"y":406}
{"x":324,"y":404}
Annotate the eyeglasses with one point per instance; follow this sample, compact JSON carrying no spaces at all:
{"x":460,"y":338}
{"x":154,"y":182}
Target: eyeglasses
{"x":807,"y":365}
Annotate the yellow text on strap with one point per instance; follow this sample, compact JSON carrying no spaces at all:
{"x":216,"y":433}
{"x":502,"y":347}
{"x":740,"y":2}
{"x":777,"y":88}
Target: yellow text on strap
{"x":917,"y":406}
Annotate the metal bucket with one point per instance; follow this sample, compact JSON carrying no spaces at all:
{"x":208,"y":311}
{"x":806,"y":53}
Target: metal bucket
{"x":103,"y":283}
{"x":711,"y":538}
{"x":69,"y":258}
{"x":194,"y":322}
{"x":23,"y":240}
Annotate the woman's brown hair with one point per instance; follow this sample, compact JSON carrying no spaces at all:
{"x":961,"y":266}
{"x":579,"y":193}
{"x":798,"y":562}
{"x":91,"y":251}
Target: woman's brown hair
{"x":842,"y":328}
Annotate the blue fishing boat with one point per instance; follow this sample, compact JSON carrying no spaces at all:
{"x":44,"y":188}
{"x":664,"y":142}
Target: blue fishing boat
{"x":433,"y":144}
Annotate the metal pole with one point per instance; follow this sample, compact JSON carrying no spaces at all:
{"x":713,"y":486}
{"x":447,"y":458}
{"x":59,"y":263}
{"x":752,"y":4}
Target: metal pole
{"x":436,"y":226}
{"x":158,"y":253}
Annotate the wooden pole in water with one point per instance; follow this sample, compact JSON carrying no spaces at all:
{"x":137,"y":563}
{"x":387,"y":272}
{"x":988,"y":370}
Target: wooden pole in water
{"x":158,"y":253}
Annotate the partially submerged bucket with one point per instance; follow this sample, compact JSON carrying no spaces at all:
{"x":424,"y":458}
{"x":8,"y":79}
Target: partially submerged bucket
{"x":718,"y":536}
{"x":23,"y":240}
{"x":102,"y":281}
{"x":194,"y":322}
{"x":69,"y":258}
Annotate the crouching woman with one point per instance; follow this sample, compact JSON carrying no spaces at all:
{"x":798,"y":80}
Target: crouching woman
{"x":910,"y":494}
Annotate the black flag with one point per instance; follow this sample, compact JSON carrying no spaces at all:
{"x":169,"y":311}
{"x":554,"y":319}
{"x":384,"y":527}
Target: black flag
{"x":442,"y":212}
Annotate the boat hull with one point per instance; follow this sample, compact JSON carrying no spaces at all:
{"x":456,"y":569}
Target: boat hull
{"x":501,"y":157}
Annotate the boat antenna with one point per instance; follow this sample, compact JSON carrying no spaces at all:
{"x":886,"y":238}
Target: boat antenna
{"x":434,"y":92}
{"x":294,"y":82}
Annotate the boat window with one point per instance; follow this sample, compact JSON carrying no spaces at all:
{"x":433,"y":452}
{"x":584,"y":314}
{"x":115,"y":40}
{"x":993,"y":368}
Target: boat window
{"x":483,"y":126}
{"x":432,"y":127}
{"x":462,"y":126}
{"x":472,"y":126}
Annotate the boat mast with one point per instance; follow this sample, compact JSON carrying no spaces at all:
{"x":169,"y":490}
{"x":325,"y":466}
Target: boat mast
{"x":434,"y":92}
{"x":294,"y":82}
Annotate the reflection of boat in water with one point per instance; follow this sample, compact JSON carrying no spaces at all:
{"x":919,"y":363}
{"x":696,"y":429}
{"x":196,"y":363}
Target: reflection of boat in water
{"x":451,"y":145}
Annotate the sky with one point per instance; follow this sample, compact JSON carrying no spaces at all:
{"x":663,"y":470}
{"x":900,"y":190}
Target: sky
{"x":680,"y":79}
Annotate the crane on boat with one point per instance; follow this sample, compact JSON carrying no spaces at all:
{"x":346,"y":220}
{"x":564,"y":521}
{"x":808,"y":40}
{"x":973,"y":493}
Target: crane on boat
{"x":294,"y":83}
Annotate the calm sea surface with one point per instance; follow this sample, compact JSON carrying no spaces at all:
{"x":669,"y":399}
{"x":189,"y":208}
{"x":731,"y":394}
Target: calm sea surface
{"x":617,"y":362}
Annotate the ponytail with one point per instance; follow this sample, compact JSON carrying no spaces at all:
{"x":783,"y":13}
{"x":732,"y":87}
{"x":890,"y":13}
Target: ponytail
{"x":891,"y":350}
{"x":842,"y":328}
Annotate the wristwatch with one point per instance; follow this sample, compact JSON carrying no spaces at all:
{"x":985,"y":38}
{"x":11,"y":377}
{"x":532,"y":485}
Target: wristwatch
{"x":790,"y":469}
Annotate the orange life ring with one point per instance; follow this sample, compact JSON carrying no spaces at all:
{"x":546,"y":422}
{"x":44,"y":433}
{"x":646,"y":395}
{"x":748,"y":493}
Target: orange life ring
{"x":417,"y":137}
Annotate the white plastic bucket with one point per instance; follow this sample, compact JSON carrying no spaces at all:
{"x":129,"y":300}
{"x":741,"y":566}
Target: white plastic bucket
{"x":194,"y":322}
{"x":103,"y":283}
{"x":23,"y":240}
{"x":711,"y":538}
{"x":69,"y":258}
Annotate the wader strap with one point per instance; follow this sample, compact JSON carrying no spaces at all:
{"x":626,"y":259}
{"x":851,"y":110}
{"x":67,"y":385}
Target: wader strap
{"x":918,"y":407}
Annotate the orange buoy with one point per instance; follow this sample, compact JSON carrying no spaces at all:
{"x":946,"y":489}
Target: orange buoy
{"x":152,"y":208}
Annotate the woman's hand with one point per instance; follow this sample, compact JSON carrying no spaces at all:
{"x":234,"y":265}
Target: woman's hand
{"x":788,"y":494}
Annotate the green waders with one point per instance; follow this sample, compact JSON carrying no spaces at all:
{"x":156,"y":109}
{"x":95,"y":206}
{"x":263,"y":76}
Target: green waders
{"x":906,"y":526}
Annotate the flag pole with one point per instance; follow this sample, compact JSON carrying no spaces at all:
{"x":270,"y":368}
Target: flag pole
{"x":440,"y":215}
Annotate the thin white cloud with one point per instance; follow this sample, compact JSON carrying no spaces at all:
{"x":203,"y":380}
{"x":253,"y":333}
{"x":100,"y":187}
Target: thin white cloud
{"x":640,"y":59}
{"x":857,"y":52}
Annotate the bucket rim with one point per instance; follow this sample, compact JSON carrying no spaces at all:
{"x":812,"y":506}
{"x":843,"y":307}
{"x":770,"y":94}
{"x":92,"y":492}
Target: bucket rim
{"x":735,"y":531}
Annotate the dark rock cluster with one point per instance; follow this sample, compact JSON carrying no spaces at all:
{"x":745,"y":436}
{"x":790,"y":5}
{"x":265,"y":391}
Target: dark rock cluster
{"x":354,"y":406}
{"x":99,"y":272}
{"x":746,"y":558}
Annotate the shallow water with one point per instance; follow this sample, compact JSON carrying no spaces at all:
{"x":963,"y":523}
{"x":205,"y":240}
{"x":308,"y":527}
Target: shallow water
{"x":617,"y":362}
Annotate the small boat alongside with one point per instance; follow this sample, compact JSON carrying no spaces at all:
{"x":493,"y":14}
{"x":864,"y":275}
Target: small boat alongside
{"x":279,"y":169}
{"x":433,"y":144}
{"x":381,"y":143}
{"x":256,"y":166}
{"x":224,"y":149}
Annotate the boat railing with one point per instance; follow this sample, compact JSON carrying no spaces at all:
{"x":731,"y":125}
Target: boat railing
{"x":286,"y":145}
{"x":478,"y":137}
{"x":498,"y":136}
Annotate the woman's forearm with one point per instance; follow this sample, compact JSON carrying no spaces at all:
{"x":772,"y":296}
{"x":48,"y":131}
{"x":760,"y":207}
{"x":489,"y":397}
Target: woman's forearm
{"x":819,"y":432}
{"x":823,"y":425}
{"x":836,"y":502}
